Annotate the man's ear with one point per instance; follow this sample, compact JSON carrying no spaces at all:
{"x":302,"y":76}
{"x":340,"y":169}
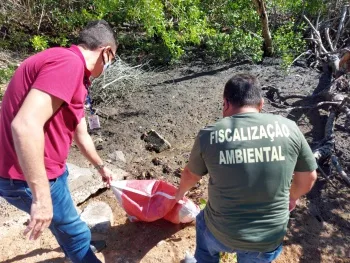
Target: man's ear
{"x":227,"y":104}
{"x":261,"y":104}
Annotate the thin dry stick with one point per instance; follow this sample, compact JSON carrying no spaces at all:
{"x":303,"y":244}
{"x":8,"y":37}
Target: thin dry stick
{"x":41,"y":17}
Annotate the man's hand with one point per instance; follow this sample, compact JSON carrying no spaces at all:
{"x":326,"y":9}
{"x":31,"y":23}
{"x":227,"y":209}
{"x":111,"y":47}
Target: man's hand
{"x":41,"y":214}
{"x":179,"y":196}
{"x":107,"y":176}
{"x":292,"y":204}
{"x":188,"y":180}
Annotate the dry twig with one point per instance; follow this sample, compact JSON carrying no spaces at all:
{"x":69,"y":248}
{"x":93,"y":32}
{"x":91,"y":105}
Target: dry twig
{"x":118,"y":81}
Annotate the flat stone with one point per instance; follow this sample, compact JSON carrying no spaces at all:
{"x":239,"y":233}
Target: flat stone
{"x":118,"y":157}
{"x":156,"y":142}
{"x":98,"y":216}
{"x":83,"y":182}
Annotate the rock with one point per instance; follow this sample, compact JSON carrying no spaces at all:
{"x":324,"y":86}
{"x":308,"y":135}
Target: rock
{"x":98,"y":140}
{"x":142,"y":175}
{"x":98,"y":216}
{"x":149,"y":174}
{"x":99,"y":147}
{"x":162,"y":242}
{"x":83,"y":182}
{"x":166,"y":169}
{"x":156,"y":161}
{"x":155,"y":142}
{"x":118,"y":157}
{"x":178,"y":172}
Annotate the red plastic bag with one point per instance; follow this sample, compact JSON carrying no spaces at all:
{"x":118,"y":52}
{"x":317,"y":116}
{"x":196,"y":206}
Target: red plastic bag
{"x":150,"y":200}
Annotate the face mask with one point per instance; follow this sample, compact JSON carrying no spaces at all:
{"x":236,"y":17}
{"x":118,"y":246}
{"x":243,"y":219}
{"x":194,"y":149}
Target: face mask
{"x":106,"y":66}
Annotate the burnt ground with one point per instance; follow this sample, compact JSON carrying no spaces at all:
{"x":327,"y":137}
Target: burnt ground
{"x":177,"y":103}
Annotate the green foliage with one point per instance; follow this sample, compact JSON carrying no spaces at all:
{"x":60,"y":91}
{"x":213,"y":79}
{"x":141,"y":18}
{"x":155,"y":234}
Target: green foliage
{"x":237,"y":31}
{"x":39,"y":43}
{"x":289,"y":42}
{"x":202,"y":203}
{"x":236,"y":44}
{"x":162,"y":29}
{"x":297,"y":7}
{"x":6,"y":74}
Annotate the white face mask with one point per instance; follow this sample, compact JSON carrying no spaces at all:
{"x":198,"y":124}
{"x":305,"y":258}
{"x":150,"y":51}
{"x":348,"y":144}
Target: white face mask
{"x":106,"y":66}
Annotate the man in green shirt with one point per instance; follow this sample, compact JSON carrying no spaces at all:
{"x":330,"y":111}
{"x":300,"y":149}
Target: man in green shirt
{"x":251,"y":158}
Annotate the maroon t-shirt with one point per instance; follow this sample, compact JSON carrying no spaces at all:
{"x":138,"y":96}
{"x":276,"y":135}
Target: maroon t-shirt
{"x":59,"y":72}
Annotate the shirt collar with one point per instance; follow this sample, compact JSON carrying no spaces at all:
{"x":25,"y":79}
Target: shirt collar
{"x":77,"y":51}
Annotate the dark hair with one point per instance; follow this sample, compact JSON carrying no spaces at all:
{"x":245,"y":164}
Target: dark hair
{"x":96,"y":34}
{"x":243,"y":90}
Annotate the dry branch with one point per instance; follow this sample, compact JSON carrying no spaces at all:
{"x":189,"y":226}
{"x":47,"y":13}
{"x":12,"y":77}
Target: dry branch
{"x":118,"y":81}
{"x":323,"y":103}
{"x":341,"y":24}
{"x":325,"y":151}
{"x":338,"y":167}
{"x":328,"y":39}
{"x":318,"y":39}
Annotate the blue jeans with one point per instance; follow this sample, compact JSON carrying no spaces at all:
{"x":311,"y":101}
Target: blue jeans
{"x":72,"y":234}
{"x":208,"y":248}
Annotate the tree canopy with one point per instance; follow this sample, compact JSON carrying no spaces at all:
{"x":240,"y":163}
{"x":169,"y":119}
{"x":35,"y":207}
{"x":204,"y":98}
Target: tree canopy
{"x":168,"y":30}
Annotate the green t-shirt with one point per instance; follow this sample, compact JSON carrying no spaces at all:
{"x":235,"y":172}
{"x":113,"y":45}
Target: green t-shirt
{"x":250,"y":158}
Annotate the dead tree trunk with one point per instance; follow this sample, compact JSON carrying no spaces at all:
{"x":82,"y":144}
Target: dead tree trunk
{"x":261,"y":9}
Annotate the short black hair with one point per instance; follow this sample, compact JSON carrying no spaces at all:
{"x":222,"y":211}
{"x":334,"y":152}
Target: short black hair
{"x":96,"y":34}
{"x":243,"y":90}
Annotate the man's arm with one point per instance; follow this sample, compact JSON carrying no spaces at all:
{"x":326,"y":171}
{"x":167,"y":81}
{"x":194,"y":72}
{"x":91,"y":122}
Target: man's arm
{"x":304,"y":172}
{"x":301,"y":185}
{"x":188,"y":180}
{"x":28,"y":137}
{"x":86,"y":146}
{"x":193,"y":171}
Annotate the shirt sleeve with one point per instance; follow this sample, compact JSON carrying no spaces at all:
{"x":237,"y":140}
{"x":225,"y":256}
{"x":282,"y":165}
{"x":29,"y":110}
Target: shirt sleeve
{"x":196,"y":163}
{"x":306,"y":161}
{"x":60,"y":77}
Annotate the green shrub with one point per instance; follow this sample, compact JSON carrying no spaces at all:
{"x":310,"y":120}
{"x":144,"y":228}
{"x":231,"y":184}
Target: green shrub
{"x":289,"y":42}
{"x":39,"y":43}
{"x":6,"y":74}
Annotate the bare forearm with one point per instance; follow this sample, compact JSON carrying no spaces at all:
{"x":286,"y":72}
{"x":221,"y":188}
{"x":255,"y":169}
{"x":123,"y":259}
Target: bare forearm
{"x":29,"y":146}
{"x":87,"y":148}
{"x":188,"y":180}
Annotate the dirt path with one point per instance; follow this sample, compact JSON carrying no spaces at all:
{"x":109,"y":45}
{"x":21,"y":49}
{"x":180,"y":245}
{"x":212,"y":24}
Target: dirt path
{"x":177,"y":103}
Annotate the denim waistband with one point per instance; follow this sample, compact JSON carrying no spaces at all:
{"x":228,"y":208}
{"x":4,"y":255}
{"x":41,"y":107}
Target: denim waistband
{"x":21,"y":181}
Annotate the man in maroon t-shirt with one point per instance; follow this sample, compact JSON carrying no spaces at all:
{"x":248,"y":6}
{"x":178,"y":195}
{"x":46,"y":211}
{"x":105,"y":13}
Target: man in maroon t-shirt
{"x":41,"y":113}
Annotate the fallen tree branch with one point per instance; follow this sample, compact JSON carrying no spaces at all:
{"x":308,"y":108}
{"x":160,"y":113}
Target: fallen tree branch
{"x":323,"y":103}
{"x":324,"y":152}
{"x":338,"y":167}
{"x":325,"y":175}
{"x":338,"y":51}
